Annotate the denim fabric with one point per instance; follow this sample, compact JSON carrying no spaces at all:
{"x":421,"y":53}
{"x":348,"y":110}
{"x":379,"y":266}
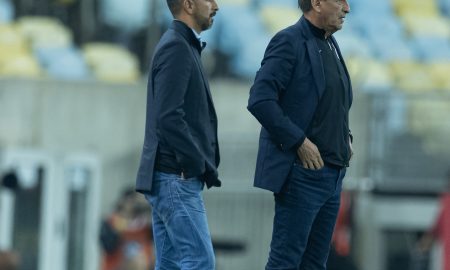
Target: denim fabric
{"x":180,"y":228}
{"x":305,"y":215}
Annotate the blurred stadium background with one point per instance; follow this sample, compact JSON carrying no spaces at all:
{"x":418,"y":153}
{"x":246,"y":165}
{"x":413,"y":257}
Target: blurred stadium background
{"x":72,"y":101}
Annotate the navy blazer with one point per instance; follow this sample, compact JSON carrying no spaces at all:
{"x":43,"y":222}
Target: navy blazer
{"x":181,"y":118}
{"x":284,"y":98}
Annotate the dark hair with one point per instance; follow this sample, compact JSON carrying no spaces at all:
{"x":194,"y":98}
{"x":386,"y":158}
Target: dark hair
{"x":305,"y":5}
{"x":174,"y":6}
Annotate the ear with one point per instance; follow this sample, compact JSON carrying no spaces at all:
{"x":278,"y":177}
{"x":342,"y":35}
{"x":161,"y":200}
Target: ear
{"x":316,"y":5}
{"x":188,"y":6}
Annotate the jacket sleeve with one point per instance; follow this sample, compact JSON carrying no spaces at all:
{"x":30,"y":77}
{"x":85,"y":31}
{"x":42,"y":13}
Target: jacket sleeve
{"x":271,"y":81}
{"x":171,"y":74}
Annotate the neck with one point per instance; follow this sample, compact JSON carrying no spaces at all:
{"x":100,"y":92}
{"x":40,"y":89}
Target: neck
{"x":315,"y":20}
{"x":189,"y":22}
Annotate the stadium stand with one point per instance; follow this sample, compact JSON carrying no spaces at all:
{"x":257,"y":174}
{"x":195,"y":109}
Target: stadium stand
{"x":405,"y":37}
{"x":111,"y":63}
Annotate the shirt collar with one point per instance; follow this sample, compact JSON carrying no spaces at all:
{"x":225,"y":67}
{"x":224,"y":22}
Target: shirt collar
{"x":199,"y":38}
{"x":317,"y":32}
{"x":196,"y":35}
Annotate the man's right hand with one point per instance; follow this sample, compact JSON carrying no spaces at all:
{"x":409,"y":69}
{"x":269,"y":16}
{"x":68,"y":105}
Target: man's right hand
{"x":309,"y":155}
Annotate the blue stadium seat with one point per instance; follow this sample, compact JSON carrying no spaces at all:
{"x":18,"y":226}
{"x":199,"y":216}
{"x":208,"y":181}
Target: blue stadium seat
{"x":432,"y":48}
{"x":241,"y":36}
{"x":248,"y":60}
{"x":353,"y":44}
{"x":130,"y":15}
{"x":63,"y":63}
{"x":370,"y":7}
{"x":6,"y":11}
{"x":393,"y":49}
{"x":444,"y":5}
{"x":370,"y":26}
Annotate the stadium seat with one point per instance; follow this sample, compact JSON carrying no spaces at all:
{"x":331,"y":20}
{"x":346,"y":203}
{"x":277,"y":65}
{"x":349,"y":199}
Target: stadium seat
{"x":111,"y":63}
{"x":369,"y":26}
{"x":352,"y":44}
{"x":277,"y":17}
{"x":368,"y":74}
{"x":394,"y":49}
{"x":440,"y":71}
{"x":129,"y":16}
{"x":377,"y":76}
{"x":367,"y":8}
{"x":63,"y":63}
{"x":428,"y":8}
{"x":243,"y":38}
{"x":425,"y":120}
{"x":11,"y":38}
{"x":6,"y":11}
{"x":411,"y":76}
{"x":23,"y":65}
{"x":431,"y":48}
{"x":45,"y":32}
{"x":15,"y":55}
{"x":445,"y":7}
{"x":417,"y":25}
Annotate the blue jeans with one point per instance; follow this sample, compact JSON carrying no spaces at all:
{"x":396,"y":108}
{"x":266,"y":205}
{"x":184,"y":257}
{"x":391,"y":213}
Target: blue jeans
{"x":305,"y":215}
{"x":180,"y":228}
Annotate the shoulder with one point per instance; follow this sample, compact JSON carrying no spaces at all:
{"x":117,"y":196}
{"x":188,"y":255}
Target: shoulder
{"x":172,"y":40}
{"x":290,"y":37}
{"x":285,"y":43}
{"x":172,"y":45}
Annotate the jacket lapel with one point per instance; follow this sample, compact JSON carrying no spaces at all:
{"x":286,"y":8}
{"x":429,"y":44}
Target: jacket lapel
{"x":205,"y":81}
{"x":314,"y":56}
{"x":345,"y":67}
{"x":316,"y":65}
{"x":187,"y":33}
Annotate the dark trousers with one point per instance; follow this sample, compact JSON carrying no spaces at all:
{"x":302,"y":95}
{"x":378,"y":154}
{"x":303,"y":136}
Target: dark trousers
{"x":305,"y":215}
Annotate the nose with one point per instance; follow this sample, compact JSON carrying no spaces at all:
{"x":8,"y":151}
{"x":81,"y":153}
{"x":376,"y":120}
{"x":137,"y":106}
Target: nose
{"x":346,"y":7}
{"x":215,"y":6}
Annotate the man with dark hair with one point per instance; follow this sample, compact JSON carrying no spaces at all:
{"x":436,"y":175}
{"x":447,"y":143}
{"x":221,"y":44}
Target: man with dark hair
{"x":302,"y":96}
{"x":180,"y":153}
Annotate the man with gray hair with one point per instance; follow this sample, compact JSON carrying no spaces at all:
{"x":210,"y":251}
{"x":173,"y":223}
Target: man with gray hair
{"x":181,"y":153}
{"x":302,"y":96}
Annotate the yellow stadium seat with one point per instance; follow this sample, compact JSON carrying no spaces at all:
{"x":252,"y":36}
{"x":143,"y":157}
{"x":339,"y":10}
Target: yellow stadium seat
{"x":12,"y":44}
{"x":440,"y":72}
{"x":427,"y":8}
{"x":45,"y":32}
{"x":411,"y":76}
{"x":9,"y":35}
{"x":426,"y":26}
{"x":21,"y":66}
{"x":377,"y":76}
{"x":425,"y":119}
{"x":276,"y":18}
{"x":8,"y":52}
{"x":111,"y":63}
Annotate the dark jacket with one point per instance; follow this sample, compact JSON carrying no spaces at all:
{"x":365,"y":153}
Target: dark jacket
{"x":181,"y":119}
{"x":284,"y":98}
